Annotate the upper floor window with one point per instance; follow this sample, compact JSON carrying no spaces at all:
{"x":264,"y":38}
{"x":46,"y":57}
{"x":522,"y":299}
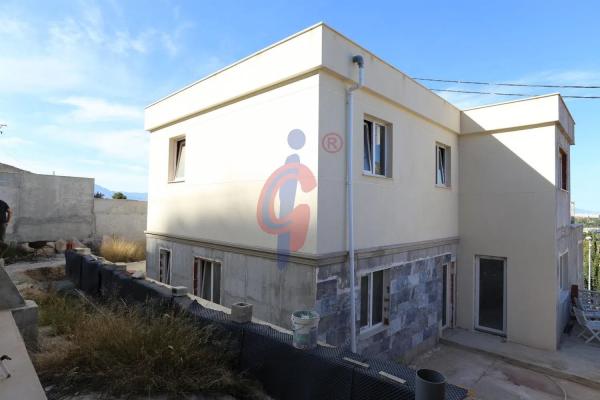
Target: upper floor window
{"x":442,"y":165}
{"x":377,"y":142}
{"x":564,"y":170}
{"x":177,"y":159}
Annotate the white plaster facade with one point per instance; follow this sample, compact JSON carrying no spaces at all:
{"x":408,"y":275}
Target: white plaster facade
{"x":502,"y":200}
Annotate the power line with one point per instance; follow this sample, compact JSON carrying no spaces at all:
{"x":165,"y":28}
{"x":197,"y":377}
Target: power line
{"x":509,"y":84}
{"x":509,"y":94}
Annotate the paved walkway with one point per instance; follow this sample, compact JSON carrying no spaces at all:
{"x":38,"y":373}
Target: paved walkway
{"x":23,"y":382}
{"x":575,"y":361}
{"x":491,"y":378}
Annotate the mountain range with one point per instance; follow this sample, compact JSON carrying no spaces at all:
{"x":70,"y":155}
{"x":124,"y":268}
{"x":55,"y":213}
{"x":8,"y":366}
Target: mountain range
{"x":130,"y":195}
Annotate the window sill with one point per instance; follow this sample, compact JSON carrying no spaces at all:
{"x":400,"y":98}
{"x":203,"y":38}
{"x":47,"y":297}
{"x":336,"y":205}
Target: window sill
{"x":564,"y":190}
{"x":443,"y":186}
{"x":374,"y":330}
{"x":176,"y":181}
{"x":369,"y":174}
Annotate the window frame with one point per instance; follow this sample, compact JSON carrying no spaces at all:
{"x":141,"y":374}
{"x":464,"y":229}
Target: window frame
{"x":197,"y":278}
{"x":387,"y":152}
{"x":447,"y":165}
{"x":161,"y":273}
{"x":563,"y":176}
{"x":175,"y":158}
{"x":384,"y":301}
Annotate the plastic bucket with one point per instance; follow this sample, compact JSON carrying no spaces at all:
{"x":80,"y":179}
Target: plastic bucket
{"x":430,"y":385}
{"x":305,"y":324}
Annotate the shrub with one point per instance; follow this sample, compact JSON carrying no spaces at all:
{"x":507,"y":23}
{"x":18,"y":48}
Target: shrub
{"x":121,"y":250}
{"x":128,"y":351}
{"x":119,"y":196}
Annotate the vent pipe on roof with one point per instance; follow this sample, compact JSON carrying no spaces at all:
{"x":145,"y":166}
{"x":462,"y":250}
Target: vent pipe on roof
{"x":357,"y":59}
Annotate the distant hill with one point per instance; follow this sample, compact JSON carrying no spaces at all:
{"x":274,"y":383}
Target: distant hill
{"x":130,"y":195}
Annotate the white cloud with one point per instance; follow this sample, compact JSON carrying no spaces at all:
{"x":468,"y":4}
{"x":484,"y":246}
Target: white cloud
{"x":89,"y":109}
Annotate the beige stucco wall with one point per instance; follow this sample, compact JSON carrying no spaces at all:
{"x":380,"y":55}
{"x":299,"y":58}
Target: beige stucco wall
{"x":406,"y":207}
{"x":231,"y":152}
{"x":507,"y":209}
{"x":504,"y":157}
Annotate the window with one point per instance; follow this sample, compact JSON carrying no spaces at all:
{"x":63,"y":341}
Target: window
{"x":373,"y":297}
{"x":564,"y":271}
{"x":564,"y":170}
{"x":178,"y":160}
{"x":376,"y":141}
{"x":164,"y":266}
{"x":442,"y":165}
{"x":444,"y":295}
{"x":207,"y":280}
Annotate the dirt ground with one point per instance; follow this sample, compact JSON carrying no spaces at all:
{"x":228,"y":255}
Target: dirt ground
{"x":38,"y":276}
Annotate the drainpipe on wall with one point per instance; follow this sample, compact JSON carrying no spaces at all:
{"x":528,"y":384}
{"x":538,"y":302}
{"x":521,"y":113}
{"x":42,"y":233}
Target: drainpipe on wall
{"x":357,"y":59}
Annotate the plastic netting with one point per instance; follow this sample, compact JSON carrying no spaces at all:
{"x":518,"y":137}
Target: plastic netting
{"x":265,"y":353}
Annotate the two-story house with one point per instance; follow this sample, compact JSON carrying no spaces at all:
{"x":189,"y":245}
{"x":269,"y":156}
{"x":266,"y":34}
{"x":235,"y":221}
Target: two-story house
{"x":266,"y":175}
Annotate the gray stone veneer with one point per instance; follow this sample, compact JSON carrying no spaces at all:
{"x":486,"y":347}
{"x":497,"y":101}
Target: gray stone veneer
{"x":313,"y":282}
{"x":415,"y":301}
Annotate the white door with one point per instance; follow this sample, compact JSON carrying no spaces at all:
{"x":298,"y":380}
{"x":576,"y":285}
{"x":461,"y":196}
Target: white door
{"x":490,"y":299}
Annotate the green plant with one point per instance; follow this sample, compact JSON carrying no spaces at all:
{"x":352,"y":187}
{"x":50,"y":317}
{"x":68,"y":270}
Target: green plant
{"x":119,"y":196}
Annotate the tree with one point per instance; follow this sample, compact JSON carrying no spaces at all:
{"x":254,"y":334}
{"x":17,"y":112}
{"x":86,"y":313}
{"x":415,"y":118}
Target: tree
{"x":99,"y":195}
{"x":119,"y":196}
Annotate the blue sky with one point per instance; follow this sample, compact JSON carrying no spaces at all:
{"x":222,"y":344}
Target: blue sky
{"x":76,"y":75}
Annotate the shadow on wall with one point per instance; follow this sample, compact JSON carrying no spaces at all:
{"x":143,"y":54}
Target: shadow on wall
{"x":509,"y":207}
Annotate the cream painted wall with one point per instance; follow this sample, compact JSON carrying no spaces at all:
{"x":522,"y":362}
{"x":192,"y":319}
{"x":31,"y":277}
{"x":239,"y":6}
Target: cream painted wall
{"x":293,"y":56}
{"x":407,"y":207}
{"x":507,"y":209}
{"x":231,"y":152}
{"x":387,"y":81}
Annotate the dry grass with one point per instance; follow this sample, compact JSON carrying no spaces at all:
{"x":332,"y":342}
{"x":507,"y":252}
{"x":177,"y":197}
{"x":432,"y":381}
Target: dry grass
{"x":121,"y":250}
{"x":131,"y":351}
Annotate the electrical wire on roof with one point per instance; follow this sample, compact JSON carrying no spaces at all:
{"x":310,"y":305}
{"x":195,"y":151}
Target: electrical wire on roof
{"x":510,"y":94}
{"x":509,"y":84}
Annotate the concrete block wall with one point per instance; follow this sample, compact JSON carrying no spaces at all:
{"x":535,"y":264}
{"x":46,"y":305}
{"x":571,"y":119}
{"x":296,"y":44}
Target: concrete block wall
{"x":123,"y":218}
{"x":51,"y":207}
{"x":47,"y":207}
{"x":415,"y":291}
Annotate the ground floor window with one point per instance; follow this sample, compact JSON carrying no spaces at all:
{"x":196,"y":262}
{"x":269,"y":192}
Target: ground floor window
{"x":207,"y":279}
{"x":564,"y":271}
{"x":164,"y":266}
{"x":373,"y":299}
{"x":444,"y":295}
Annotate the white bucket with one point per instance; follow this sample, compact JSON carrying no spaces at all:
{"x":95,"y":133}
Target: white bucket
{"x":305,"y":324}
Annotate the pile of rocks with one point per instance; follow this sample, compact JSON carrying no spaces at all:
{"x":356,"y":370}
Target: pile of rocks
{"x":49,"y":249}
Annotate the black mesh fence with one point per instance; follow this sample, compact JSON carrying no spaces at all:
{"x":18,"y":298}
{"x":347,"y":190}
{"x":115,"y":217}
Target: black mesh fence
{"x":265,"y":353}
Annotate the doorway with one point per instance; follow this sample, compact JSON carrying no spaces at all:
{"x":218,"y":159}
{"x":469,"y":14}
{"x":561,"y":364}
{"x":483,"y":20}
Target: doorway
{"x":490,"y":299}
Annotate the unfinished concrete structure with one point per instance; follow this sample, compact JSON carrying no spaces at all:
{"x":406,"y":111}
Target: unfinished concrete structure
{"x":52,"y":207}
{"x":47,"y":207}
{"x":249,"y":199}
